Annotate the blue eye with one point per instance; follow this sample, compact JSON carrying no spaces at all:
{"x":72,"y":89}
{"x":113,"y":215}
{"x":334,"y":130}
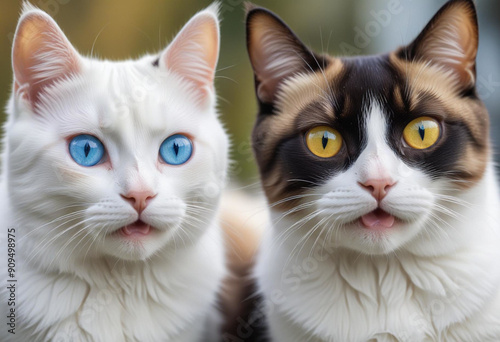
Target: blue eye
{"x":86,"y":150}
{"x":176,"y":149}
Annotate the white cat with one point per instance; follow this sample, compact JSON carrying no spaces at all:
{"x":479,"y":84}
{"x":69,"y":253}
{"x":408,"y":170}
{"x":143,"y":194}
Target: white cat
{"x":108,"y":178}
{"x":382,"y":187}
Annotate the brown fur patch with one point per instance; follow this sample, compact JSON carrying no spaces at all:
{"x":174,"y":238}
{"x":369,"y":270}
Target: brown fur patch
{"x":425,"y":78}
{"x":294,"y":96}
{"x":243,"y":220}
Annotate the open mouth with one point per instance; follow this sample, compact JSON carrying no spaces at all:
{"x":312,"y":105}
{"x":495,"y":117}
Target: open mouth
{"x":378,"y":219}
{"x":137,"y":229}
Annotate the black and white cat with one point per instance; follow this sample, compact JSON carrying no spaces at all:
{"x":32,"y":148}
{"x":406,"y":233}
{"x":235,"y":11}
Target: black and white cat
{"x":383,"y":194}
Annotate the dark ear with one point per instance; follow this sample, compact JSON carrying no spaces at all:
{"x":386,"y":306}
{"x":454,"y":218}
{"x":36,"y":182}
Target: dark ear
{"x":450,"y":40}
{"x":275,"y":52}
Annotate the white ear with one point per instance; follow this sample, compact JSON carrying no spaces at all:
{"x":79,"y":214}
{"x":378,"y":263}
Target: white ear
{"x":194,"y":52}
{"x":41,"y":54}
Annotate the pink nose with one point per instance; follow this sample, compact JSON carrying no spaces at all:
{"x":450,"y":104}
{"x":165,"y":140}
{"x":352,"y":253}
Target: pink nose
{"x":139,"y":199}
{"x":378,"y":187}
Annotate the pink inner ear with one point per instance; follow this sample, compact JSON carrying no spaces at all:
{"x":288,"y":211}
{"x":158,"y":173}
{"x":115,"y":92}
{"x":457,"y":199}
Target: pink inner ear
{"x":468,"y":42}
{"x":194,"y":52}
{"x":274,"y":52}
{"x":452,"y":42}
{"x":41,"y":55}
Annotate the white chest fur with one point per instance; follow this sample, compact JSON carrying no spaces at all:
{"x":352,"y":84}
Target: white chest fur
{"x":162,"y":299}
{"x":330,"y":294}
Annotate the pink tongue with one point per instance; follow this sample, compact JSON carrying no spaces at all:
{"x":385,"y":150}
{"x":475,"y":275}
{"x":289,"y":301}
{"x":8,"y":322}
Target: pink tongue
{"x":378,"y":218}
{"x":138,"y":228}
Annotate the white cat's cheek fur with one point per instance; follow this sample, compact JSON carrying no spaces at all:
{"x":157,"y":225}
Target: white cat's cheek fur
{"x":165,"y":214}
{"x":108,"y":215}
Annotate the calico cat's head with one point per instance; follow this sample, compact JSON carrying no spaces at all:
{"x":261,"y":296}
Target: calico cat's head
{"x":113,"y":158}
{"x":379,"y":150}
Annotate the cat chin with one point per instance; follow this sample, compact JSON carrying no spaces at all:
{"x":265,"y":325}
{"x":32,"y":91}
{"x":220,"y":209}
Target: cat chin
{"x":351,"y":235}
{"x":374,"y":241}
{"x":135,"y":248}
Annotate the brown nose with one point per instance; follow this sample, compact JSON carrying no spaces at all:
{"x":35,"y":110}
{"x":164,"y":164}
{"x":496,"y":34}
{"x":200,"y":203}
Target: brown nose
{"x":139,"y":199}
{"x":378,"y":187}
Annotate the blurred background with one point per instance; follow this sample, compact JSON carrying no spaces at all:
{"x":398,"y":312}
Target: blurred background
{"x":121,"y":29}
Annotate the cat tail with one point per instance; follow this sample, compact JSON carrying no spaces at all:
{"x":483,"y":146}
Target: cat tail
{"x":243,"y":219}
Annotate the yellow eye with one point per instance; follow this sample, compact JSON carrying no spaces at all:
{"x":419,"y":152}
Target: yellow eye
{"x":323,"y":141}
{"x":422,"y":133}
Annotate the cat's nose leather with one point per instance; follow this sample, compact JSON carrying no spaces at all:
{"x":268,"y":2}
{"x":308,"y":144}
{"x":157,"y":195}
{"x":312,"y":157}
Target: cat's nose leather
{"x":378,"y":187}
{"x":139,"y":199}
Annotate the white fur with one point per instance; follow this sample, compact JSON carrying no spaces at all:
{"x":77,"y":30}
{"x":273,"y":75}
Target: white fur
{"x":433,"y":278}
{"x":76,"y":282}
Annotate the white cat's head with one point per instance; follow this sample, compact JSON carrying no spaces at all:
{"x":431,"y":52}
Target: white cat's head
{"x":120,"y":159}
{"x":375,"y":154}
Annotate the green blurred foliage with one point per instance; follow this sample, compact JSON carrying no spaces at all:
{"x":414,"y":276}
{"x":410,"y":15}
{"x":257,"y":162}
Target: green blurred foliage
{"x":122,"y":29}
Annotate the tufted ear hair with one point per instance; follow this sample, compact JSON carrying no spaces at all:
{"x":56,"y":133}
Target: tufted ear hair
{"x":41,"y":54}
{"x":450,"y":40}
{"x":194,"y":52}
{"x":275,"y":52}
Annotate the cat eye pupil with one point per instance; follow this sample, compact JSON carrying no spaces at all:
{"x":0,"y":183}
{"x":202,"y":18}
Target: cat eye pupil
{"x":325,"y":140}
{"x":176,"y":149}
{"x":421,"y":131}
{"x":87,"y":149}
